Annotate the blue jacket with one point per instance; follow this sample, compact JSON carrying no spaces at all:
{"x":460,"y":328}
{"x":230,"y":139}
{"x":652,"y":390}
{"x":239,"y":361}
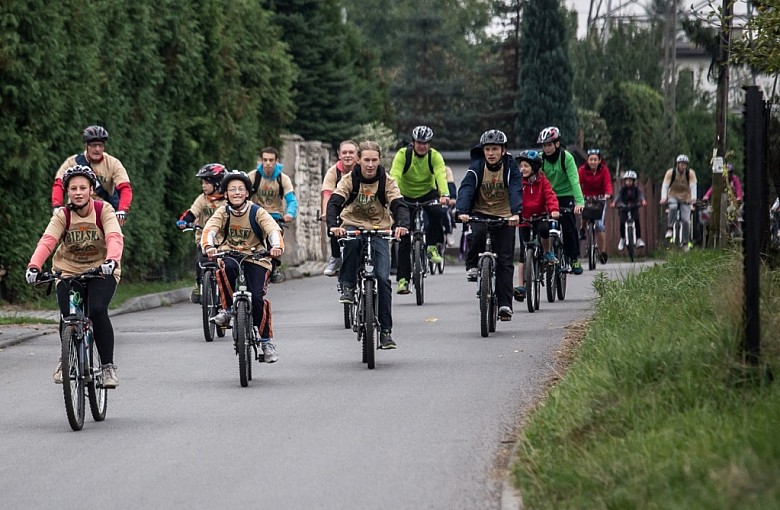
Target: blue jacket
{"x":513,"y":180}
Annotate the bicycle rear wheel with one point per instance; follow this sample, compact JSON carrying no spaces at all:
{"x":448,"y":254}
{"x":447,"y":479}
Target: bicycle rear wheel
{"x":369,"y":326}
{"x":98,"y":395}
{"x":241,"y":329}
{"x":72,"y":377}
{"x":529,"y":277}
{"x":550,"y":282}
{"x":208,"y":304}
{"x":560,"y":271}
{"x":419,"y":258}
{"x":537,"y":281}
{"x":485,"y":295}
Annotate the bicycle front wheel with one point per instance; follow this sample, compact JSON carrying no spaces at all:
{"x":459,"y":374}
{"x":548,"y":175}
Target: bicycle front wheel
{"x":485,"y":295}
{"x":419,"y":258}
{"x":98,"y":395}
{"x":72,"y":377}
{"x":369,"y":325}
{"x":242,"y":328}
{"x":208,"y":304}
{"x":591,"y":247}
{"x":630,"y":242}
{"x":529,"y":277}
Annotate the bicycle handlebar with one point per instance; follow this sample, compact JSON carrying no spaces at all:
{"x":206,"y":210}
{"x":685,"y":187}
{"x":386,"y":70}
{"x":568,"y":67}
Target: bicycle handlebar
{"x":256,"y":255}
{"x":487,"y":221}
{"x":416,"y":204}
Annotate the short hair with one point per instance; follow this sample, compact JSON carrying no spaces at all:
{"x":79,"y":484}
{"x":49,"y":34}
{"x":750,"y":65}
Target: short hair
{"x":369,"y":145}
{"x":270,"y":150}
{"x":348,"y":142}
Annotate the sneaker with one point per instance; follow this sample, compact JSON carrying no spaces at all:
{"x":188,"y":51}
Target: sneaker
{"x":519,"y":293}
{"x":621,"y":244}
{"x":276,"y":276}
{"x":505,"y":313}
{"x":640,"y":243}
{"x":472,"y":273}
{"x":403,"y":286}
{"x":110,"y":380}
{"x":222,"y":319}
{"x":386,"y":340}
{"x":550,"y":258}
{"x":58,"y":372}
{"x":668,"y":234}
{"x":334,"y":264}
{"x":269,"y":351}
{"x":433,"y":255}
{"x":195,"y":295}
{"x":576,"y":267}
{"x":603,"y":257}
{"x":347,"y":296}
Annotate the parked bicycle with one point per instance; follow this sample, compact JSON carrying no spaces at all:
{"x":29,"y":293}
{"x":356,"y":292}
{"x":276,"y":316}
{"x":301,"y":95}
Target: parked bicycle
{"x":486,"y":277}
{"x":209,"y":293}
{"x":245,"y":339}
{"x":365,"y":305}
{"x":81,"y":365}
{"x":419,"y":253}
{"x":592,"y":212}
{"x":557,"y":273}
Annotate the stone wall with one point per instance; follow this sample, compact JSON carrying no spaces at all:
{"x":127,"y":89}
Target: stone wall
{"x":305,"y":163}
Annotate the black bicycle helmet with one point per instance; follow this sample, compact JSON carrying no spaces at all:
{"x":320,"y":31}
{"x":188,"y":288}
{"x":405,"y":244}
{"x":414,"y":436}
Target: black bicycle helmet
{"x":95,"y":134}
{"x":492,"y":137}
{"x":77,"y":170}
{"x":549,"y":134}
{"x":213,"y":173}
{"x":232,"y":176}
{"x":422,"y":134}
{"x":532,"y":157}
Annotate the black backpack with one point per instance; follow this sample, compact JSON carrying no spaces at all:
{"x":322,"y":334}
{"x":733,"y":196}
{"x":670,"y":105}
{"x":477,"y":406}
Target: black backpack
{"x":256,"y":184}
{"x":100,"y":191}
{"x":408,"y":163}
{"x":381,"y":190}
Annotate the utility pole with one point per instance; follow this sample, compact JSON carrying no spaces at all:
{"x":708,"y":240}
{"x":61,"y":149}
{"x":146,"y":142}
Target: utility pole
{"x":715,"y":236}
{"x":670,"y":69}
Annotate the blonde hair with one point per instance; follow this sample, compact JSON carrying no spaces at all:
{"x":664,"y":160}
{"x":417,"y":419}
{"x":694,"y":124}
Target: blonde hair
{"x":348,"y":142}
{"x":369,"y":145}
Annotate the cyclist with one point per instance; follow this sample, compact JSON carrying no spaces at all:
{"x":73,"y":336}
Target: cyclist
{"x":538,"y":198}
{"x":679,"y":191}
{"x":113,"y":184}
{"x":369,"y":198}
{"x":232,"y":228}
{"x":733,"y":181}
{"x":89,"y":236}
{"x":345,"y":164}
{"x":492,"y":188}
{"x":560,"y":168}
{"x":273,"y":191}
{"x":420,"y":173}
{"x":632,"y":197}
{"x":595,"y":181}
{"x":202,"y":208}
{"x":448,"y":211}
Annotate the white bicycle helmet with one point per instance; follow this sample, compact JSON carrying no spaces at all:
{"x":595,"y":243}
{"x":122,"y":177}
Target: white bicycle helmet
{"x":422,"y":134}
{"x":629,"y":174}
{"x":682,"y":158}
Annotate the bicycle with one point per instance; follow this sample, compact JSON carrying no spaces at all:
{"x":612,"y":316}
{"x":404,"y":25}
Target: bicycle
{"x":245,"y":339}
{"x":486,"y":278}
{"x":557,"y":273}
{"x":629,"y":230}
{"x":419,"y":255}
{"x":365,"y":305}
{"x":592,"y":212}
{"x":209,"y":293}
{"x":534,"y":261}
{"x":81,"y":364}
{"x":678,"y":229}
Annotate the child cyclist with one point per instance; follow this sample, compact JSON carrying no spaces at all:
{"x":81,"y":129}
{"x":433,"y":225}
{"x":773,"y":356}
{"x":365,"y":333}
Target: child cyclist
{"x":632,"y":197}
{"x":244,"y":227}
{"x":200,"y":211}
{"x":538,"y":198}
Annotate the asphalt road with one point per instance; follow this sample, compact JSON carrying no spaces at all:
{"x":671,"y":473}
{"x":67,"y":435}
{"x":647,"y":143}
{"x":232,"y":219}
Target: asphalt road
{"x":426,"y":429}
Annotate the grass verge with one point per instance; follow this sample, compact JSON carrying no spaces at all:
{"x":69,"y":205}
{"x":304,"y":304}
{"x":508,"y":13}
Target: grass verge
{"x":657,"y":409}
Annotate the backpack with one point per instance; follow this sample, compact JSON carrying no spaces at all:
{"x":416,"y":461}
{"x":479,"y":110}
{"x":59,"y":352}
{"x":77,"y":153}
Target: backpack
{"x":687,"y":175}
{"x":408,"y":163}
{"x":252,"y":222}
{"x":98,"y":217}
{"x":100,"y":191}
{"x":381,"y":190}
{"x":256,"y":184}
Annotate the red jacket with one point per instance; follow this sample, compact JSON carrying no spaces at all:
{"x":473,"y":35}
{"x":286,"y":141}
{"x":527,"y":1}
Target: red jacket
{"x":538,"y":197}
{"x":595,"y":183}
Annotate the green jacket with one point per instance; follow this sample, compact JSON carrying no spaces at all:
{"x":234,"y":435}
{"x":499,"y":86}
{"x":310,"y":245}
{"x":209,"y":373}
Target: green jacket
{"x":418,"y":180}
{"x":564,"y":183}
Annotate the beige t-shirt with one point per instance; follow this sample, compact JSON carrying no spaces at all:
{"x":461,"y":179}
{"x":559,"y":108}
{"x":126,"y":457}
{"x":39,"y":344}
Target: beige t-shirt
{"x":267,"y":195}
{"x":203,"y":208}
{"x":83,"y":246}
{"x":240,"y":236}
{"x":680,"y":188}
{"x":493,"y":196}
{"x":109,"y":172}
{"x":366,"y":210}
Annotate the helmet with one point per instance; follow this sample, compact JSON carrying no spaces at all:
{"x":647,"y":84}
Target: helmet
{"x":422,"y":134}
{"x":232,"y":176}
{"x":629,"y":174}
{"x":95,"y":134}
{"x":682,"y":158}
{"x":533,"y":158}
{"x":492,"y":137}
{"x":549,"y":134}
{"x":212,"y":172}
{"x":77,"y":170}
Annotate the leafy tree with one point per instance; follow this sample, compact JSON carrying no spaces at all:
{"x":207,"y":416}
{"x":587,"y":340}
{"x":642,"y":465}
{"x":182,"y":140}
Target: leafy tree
{"x":545,"y":76}
{"x":760,"y":43}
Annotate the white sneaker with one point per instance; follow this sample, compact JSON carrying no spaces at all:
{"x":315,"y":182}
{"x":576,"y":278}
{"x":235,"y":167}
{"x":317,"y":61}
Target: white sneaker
{"x":110,"y":379}
{"x":472,"y":274}
{"x":668,"y":234}
{"x":58,"y":372}
{"x":222,"y":319}
{"x":621,"y":244}
{"x":640,"y":243}
{"x":334,"y":264}
{"x":269,"y":351}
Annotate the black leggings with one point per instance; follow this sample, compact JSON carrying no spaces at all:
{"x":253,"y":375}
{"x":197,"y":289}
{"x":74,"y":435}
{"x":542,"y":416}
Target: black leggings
{"x":97,"y":295}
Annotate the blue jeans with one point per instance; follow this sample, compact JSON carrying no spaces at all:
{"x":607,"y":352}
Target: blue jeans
{"x":350,"y":263}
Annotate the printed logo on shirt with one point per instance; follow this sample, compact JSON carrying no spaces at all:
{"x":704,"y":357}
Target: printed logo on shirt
{"x":238,"y":235}
{"x":493,"y":189}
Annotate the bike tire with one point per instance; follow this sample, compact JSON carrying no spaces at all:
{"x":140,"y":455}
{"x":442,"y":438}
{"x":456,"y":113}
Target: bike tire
{"x":630,"y":246}
{"x":418,"y":268}
{"x":550,"y":283}
{"x":347,"y":316}
{"x":591,"y":235}
{"x":528,"y":279}
{"x":485,"y":296}
{"x":208,"y":305}
{"x":72,"y":377}
{"x":369,"y":325}
{"x":98,"y":395}
{"x":240,"y":327}
{"x":537,"y":283}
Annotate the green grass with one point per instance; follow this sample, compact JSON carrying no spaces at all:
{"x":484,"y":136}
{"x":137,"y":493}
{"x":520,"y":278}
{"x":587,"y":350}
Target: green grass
{"x":4,"y":321}
{"x":657,"y":409}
